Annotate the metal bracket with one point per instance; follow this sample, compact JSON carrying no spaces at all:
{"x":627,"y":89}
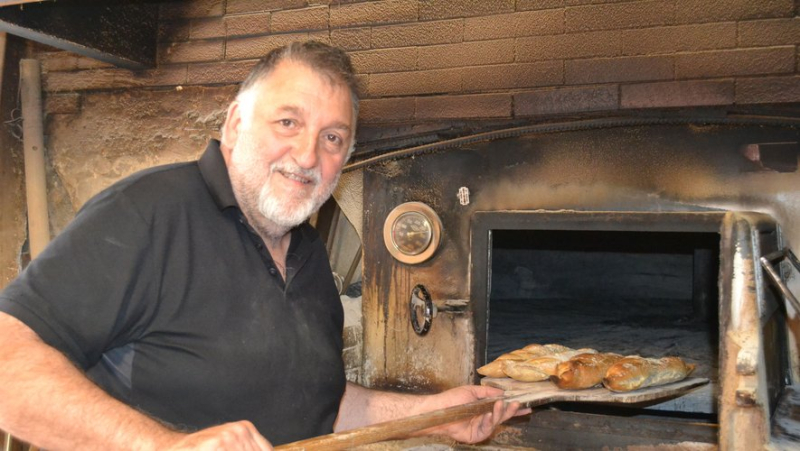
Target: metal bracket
{"x":766,"y":263}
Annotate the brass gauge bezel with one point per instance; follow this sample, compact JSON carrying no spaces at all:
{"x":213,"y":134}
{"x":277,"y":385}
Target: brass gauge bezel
{"x":413,"y":208}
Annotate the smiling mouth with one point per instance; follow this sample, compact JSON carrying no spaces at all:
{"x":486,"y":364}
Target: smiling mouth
{"x":296,"y":177}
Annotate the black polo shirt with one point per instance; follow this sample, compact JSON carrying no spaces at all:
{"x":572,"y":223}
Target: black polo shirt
{"x":160,"y":290}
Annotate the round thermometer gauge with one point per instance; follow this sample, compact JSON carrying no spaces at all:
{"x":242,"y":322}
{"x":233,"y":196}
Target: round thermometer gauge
{"x":412,"y":232}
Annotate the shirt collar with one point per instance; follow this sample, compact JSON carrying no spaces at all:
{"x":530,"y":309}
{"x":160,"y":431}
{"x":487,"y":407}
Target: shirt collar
{"x":215,"y":174}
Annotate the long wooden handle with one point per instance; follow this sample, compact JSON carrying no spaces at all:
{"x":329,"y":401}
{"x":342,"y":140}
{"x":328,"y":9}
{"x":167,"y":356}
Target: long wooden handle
{"x":392,"y":429}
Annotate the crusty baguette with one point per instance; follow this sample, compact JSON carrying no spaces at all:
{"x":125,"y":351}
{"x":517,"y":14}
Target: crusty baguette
{"x":583,"y":370}
{"x":495,"y":367}
{"x":538,"y":368}
{"x":537,"y":350}
{"x":634,"y":372}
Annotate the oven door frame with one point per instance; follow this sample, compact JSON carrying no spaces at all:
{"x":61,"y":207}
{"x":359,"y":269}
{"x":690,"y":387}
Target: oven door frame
{"x":753,"y":370}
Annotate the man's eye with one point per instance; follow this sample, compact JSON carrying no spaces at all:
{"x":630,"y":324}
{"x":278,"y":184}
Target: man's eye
{"x":287,"y":122}
{"x":334,"y":139}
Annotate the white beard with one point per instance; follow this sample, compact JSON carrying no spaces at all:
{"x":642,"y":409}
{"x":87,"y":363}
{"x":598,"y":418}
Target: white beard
{"x":289,"y":213}
{"x":271,"y":214}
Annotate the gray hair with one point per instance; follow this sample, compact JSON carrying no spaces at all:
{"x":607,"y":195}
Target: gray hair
{"x":331,"y":62}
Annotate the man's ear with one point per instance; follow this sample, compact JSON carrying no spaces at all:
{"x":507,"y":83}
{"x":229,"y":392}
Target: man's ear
{"x":230,"y":128}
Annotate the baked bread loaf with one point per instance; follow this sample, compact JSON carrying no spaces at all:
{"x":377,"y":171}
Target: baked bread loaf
{"x":538,"y":368}
{"x":537,"y":350}
{"x":583,"y":370}
{"x":634,"y":372}
{"x":495,"y":368}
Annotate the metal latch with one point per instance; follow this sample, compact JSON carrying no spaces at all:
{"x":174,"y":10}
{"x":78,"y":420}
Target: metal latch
{"x":421,"y":306}
{"x":766,"y":263}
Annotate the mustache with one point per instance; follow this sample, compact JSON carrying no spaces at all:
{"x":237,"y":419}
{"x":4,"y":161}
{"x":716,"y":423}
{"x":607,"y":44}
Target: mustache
{"x":287,"y":167}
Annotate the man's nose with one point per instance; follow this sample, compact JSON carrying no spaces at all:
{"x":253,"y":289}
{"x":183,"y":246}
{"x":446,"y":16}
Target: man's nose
{"x":305,"y":150}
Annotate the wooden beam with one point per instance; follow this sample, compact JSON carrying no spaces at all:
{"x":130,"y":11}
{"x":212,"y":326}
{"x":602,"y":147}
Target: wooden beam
{"x":35,"y":173}
{"x":12,"y":208}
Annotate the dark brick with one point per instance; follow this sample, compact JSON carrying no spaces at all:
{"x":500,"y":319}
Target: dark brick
{"x":58,"y":61}
{"x":385,"y":60}
{"x":372,"y":13}
{"x":769,"y":32}
{"x":362,"y":80}
{"x":114,"y":79}
{"x":386,"y":110}
{"x":249,"y":6}
{"x":423,"y":33}
{"x":315,"y":18}
{"x":768,"y":90}
{"x":192,"y":51}
{"x":464,"y":106}
{"x":726,"y":63}
{"x":62,"y":103}
{"x":609,"y":70}
{"x":174,"y":30}
{"x":677,"y":94}
{"x":256,"y":47}
{"x":352,"y":38}
{"x":527,"y":5}
{"x":567,"y":46}
{"x":190,"y":9}
{"x":84,"y":62}
{"x":478,"y":53}
{"x":531,"y":23}
{"x":588,"y":2}
{"x":219,"y":73}
{"x":510,"y":76}
{"x":681,"y":38}
{"x":432,"y":10}
{"x":248,"y":24}
{"x":323,"y":36}
{"x":207,"y":28}
{"x":623,"y":15}
{"x":696,"y":11}
{"x":566,"y":100}
{"x":420,"y":82}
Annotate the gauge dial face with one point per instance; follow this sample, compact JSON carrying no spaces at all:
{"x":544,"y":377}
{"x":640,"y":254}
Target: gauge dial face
{"x":412,"y":233}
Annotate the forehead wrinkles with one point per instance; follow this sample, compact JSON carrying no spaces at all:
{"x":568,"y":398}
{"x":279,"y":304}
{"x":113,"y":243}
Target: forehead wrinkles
{"x":248,"y":99}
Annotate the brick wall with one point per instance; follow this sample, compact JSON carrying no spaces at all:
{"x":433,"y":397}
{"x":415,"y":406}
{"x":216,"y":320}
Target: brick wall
{"x":420,"y":60}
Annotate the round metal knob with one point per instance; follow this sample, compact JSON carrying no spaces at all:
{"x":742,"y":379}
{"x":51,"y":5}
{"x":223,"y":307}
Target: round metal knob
{"x":421,"y":305}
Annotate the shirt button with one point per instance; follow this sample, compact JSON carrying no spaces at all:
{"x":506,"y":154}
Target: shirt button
{"x":273,"y":271}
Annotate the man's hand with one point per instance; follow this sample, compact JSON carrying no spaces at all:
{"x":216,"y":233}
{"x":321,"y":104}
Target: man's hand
{"x":478,"y":428}
{"x":241,"y":435}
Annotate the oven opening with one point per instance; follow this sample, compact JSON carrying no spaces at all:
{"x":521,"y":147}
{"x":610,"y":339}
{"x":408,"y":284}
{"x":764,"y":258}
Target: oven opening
{"x":654,"y":294}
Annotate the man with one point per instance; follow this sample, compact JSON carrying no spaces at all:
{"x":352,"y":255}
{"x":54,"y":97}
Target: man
{"x":196,"y":304}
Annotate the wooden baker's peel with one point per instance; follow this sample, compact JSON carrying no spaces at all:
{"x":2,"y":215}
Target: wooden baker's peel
{"x":528,"y":394}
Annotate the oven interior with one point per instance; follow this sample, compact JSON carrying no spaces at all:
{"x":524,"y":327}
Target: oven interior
{"x":652,"y":294}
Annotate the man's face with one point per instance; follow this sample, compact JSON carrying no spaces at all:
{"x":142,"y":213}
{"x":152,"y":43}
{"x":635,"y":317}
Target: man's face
{"x":285,"y":146}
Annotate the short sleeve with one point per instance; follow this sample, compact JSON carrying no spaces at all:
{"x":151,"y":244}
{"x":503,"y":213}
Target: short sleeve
{"x":91,"y":289}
